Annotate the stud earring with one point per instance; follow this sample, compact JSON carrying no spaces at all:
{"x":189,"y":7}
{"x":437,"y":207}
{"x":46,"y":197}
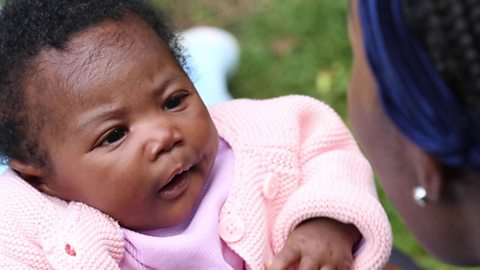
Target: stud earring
{"x":420,"y":196}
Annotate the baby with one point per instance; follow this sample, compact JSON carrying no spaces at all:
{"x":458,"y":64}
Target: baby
{"x":116,"y":162}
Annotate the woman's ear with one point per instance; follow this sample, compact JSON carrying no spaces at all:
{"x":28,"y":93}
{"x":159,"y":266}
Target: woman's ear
{"x":429,"y":174}
{"x":32,"y":173}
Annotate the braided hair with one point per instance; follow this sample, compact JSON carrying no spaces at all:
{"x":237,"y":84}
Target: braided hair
{"x":449,"y":31}
{"x":425,"y":59}
{"x":28,"y":27}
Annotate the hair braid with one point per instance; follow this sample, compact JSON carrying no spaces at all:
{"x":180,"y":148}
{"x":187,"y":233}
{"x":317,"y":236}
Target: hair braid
{"x":450,"y":32}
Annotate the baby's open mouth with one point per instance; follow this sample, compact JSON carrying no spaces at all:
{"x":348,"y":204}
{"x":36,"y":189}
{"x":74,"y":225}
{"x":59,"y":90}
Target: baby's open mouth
{"x":175,"y":187}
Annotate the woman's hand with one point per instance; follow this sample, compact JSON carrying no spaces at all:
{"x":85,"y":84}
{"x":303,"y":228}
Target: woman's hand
{"x":319,"y":243}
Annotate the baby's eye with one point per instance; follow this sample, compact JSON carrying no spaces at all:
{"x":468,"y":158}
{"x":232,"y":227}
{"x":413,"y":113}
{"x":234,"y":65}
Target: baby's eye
{"x":175,"y":100}
{"x":114,"y":136}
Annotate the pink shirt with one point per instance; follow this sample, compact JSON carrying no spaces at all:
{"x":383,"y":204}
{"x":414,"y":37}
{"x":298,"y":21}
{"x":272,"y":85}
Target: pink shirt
{"x":194,"y":244}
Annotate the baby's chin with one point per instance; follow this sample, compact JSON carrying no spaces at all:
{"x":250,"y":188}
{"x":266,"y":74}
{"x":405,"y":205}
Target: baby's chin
{"x":181,"y":215}
{"x":151,"y":226}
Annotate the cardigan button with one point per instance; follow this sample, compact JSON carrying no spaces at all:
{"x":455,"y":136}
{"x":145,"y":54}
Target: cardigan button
{"x":270,"y":186}
{"x":231,"y":229}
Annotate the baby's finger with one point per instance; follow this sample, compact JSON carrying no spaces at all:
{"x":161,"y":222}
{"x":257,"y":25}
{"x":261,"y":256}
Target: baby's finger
{"x":339,"y":266}
{"x":287,"y":256}
{"x":308,"y":263}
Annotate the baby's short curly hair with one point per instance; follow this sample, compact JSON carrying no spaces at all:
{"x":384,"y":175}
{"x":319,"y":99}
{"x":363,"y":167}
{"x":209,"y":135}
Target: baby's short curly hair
{"x":27,"y":27}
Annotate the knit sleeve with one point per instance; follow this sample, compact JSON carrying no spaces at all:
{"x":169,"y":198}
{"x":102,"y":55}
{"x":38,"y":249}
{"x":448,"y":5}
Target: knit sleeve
{"x":337,"y":182}
{"x":7,"y":262}
{"x":42,"y":232}
{"x":83,"y":238}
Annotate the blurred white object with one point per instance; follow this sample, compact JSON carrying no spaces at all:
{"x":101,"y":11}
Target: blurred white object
{"x":3,"y":168}
{"x":212,"y":56}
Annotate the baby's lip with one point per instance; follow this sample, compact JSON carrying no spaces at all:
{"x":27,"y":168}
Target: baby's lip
{"x":174,"y":173}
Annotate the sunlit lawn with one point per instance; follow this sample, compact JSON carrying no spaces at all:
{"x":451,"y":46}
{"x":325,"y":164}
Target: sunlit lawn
{"x":292,"y":46}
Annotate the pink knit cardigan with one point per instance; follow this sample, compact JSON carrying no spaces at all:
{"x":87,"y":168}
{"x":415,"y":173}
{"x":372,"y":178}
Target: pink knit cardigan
{"x":294,"y":159}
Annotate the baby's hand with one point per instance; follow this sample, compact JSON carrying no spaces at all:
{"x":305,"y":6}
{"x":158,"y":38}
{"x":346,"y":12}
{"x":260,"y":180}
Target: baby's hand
{"x":319,"y":243}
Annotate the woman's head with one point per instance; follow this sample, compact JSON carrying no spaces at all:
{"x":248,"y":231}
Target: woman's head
{"x":101,"y":111}
{"x":415,"y":108}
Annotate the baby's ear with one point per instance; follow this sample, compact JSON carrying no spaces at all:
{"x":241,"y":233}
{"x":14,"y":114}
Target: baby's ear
{"x":32,"y":173}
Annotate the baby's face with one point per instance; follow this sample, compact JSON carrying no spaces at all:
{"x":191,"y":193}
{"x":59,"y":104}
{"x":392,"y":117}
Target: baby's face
{"x":131,"y":136}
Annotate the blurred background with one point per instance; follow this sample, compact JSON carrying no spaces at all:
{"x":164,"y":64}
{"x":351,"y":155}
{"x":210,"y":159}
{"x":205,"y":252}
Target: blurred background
{"x":291,"y":46}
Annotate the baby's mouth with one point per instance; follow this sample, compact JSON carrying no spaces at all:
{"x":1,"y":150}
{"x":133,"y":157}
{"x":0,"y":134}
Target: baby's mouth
{"x":177,"y":185}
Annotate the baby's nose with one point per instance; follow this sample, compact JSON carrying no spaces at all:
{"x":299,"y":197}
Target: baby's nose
{"x":161,"y":141}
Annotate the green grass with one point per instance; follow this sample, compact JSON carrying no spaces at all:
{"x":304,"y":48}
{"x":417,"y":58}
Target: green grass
{"x":293,"y":46}
{"x":296,"y":47}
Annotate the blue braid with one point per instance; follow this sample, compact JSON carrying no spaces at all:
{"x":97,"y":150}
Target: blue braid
{"x":413,"y":93}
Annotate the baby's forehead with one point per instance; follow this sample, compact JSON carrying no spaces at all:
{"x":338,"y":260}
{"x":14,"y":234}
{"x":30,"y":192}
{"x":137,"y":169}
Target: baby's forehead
{"x":102,"y":45}
{"x":89,"y":59}
{"x":92,"y":53}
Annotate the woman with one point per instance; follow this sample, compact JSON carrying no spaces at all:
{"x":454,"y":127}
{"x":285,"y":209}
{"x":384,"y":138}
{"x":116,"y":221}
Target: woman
{"x":414,"y":105}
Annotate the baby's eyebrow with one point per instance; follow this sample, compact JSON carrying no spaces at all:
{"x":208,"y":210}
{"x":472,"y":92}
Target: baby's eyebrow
{"x":97,"y":117}
{"x":164,"y":84}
